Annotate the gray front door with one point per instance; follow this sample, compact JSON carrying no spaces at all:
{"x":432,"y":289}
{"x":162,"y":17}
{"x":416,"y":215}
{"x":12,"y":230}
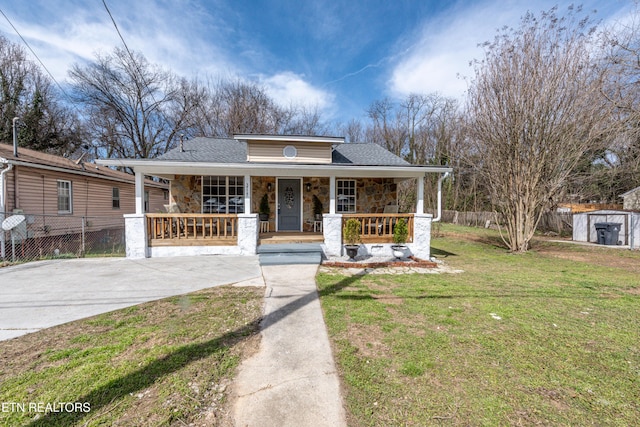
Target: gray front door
{"x":289,"y":206}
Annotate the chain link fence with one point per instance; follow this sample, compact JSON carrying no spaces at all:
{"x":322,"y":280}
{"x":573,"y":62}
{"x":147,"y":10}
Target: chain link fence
{"x":52,"y":236}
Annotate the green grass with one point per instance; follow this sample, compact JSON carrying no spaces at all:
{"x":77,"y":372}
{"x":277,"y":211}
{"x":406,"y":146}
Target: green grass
{"x":531,"y":339}
{"x":160,"y":363}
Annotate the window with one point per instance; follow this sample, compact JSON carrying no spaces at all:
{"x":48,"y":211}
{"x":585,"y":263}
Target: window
{"x":346,"y":195}
{"x":222,"y":194}
{"x":115,"y":198}
{"x":165,"y":194}
{"x":65,"y":203}
{"x":146,"y":201}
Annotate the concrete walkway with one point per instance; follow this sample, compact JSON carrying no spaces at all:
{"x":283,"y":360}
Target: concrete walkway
{"x":292,"y":380}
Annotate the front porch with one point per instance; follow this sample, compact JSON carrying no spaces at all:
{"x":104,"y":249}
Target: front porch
{"x":176,"y":234}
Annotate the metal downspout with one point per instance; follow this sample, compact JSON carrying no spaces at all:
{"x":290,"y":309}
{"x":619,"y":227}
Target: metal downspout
{"x":439,"y":216}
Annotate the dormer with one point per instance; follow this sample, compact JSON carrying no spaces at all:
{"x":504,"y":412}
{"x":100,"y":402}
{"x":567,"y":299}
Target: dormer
{"x":289,"y":148}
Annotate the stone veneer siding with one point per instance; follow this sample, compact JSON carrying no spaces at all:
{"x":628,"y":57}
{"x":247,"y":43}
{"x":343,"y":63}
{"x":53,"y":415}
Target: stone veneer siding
{"x":186,"y":192}
{"x":372,"y":195}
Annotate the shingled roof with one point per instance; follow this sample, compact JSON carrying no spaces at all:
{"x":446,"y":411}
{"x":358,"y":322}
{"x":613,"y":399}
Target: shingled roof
{"x":225,"y":150}
{"x":38,"y":159}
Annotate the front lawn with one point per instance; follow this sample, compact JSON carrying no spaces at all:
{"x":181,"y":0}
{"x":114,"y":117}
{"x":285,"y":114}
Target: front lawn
{"x":550,"y":337}
{"x":161,"y":363}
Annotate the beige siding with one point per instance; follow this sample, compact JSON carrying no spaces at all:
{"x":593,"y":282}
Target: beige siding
{"x":37,"y":194}
{"x":271,"y":151}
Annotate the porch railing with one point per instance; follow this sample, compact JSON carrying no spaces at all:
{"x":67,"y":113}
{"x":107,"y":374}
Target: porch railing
{"x":378,"y":228}
{"x":171,"y":229}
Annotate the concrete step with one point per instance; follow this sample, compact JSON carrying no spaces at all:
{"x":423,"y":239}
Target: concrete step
{"x":289,"y":259}
{"x":293,"y":253}
{"x":290,"y":248}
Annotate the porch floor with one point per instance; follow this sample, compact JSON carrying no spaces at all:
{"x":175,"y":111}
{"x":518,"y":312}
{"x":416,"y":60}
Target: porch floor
{"x":289,"y":237}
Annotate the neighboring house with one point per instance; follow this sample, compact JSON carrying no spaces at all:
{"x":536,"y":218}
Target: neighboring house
{"x":217,"y":185}
{"x":41,"y":185}
{"x":631,"y":199}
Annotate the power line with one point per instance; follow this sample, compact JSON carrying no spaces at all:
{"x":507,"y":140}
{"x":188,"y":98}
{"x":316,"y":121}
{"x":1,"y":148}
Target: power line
{"x":135,"y":63}
{"x":37,"y":57}
{"x":119,"y":33}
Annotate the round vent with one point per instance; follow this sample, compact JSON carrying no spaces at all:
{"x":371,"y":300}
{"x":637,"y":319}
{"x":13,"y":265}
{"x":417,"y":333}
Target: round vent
{"x":289,"y":152}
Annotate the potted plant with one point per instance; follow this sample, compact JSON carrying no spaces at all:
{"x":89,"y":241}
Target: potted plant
{"x":317,"y":208}
{"x":400,"y":234}
{"x":264,"y":209}
{"x":351,"y":236}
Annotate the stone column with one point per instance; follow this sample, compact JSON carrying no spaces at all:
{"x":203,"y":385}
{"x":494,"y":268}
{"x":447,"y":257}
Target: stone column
{"x":421,"y":246}
{"x":248,"y":234}
{"x":332,"y":232}
{"x":135,"y":229}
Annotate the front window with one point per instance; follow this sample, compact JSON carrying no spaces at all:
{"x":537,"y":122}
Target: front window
{"x":346,"y":195}
{"x":223,"y":194}
{"x":64,"y":197}
{"x":146,"y":201}
{"x":115,"y":198}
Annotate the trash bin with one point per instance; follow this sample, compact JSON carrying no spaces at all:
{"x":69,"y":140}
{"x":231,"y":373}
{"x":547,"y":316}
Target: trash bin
{"x":608,"y":232}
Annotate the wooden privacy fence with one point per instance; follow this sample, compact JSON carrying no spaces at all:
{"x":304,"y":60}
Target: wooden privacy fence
{"x":166,"y":229}
{"x":554,"y":222}
{"x":378,"y":228}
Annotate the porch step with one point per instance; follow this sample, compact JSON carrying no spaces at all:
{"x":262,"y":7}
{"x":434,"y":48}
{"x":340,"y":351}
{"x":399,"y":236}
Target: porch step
{"x":292,"y":253}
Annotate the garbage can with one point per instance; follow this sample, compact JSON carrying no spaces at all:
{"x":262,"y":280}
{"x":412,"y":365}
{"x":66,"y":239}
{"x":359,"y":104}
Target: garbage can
{"x":608,"y":232}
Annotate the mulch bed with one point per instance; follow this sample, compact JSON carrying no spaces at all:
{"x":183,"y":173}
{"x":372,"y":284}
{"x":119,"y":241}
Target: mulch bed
{"x":411,"y":262}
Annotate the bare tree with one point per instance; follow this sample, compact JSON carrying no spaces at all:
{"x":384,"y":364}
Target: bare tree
{"x":46,"y":124}
{"x":534,"y":107}
{"x":353,"y":131}
{"x":386,"y":129}
{"x":621,"y":160}
{"x":135,"y":109}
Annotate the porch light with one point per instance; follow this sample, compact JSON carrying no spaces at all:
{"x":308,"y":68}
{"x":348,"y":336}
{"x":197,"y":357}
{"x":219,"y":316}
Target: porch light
{"x":269,"y":187}
{"x":308,"y":187}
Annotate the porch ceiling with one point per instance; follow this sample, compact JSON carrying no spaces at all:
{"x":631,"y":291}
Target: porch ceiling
{"x":169,"y":168}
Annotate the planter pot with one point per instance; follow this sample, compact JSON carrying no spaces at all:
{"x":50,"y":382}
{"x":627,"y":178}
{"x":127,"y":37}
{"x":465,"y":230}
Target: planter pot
{"x":352,"y":250}
{"x":399,"y":251}
{"x":263,"y":217}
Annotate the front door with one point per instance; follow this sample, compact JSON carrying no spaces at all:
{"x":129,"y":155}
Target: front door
{"x":289,"y":204}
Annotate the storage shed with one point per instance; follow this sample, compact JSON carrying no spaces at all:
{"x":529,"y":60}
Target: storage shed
{"x":584,"y":226}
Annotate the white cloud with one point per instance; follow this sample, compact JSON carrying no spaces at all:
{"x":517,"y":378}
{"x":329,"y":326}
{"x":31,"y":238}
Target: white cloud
{"x":288,"y":88}
{"x":442,"y":51}
{"x":170,"y":36}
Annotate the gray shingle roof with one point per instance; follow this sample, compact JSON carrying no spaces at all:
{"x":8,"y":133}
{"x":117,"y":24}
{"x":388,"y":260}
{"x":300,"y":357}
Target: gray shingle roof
{"x":226,"y":150}
{"x":365,"y":154}
{"x":215,"y":150}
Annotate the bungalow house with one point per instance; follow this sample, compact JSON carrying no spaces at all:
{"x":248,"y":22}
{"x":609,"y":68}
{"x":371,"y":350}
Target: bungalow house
{"x":55,"y":194}
{"x":217,"y":185}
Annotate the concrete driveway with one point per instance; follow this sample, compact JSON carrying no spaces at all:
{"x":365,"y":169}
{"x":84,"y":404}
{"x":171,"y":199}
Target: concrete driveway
{"x":42,"y":294}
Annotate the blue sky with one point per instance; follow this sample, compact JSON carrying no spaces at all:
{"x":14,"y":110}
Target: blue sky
{"x":339,"y":55}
